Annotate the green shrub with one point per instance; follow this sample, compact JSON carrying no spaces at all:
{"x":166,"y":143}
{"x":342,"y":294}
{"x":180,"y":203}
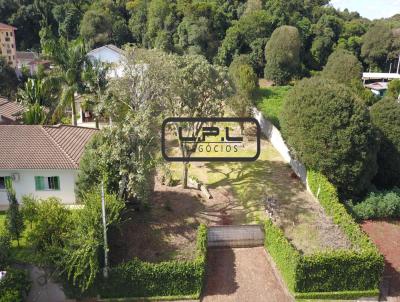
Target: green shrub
{"x":339,"y":270}
{"x":282,"y":55}
{"x":5,"y":249}
{"x":52,"y":225}
{"x":385,"y":116}
{"x":14,"y":286}
{"x":327,"y":195}
{"x":329,"y":130}
{"x":285,"y":256}
{"x":342,"y":67}
{"x":384,"y":204}
{"x":171,"y":278}
{"x":341,"y":295}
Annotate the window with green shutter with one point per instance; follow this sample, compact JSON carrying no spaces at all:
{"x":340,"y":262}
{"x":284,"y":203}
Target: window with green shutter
{"x":3,"y":182}
{"x":50,"y":183}
{"x":39,"y":183}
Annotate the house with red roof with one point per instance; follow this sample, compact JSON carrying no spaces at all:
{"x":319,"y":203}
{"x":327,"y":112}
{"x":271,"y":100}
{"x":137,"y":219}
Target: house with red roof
{"x":41,"y":160}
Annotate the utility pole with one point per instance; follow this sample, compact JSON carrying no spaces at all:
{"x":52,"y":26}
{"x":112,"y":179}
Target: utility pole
{"x":103,"y":211}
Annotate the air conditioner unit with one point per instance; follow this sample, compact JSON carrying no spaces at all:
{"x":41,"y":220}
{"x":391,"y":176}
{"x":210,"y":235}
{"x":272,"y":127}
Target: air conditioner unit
{"x":15,"y":177}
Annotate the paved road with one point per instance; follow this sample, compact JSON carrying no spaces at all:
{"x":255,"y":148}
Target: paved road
{"x":242,"y":274}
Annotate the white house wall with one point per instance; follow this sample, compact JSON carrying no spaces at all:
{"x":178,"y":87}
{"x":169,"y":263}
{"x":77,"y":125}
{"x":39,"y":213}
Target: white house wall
{"x":26,"y":185}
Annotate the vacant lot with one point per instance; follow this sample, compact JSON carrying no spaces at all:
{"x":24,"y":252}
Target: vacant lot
{"x":168,"y":229}
{"x":301,"y":217}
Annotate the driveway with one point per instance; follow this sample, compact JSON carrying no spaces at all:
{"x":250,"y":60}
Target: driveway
{"x":386,"y":234}
{"x":242,"y":274}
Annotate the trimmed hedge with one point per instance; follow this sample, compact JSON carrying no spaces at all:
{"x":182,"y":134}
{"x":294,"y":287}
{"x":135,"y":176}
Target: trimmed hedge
{"x":343,"y":295}
{"x":355,"y":271}
{"x":285,"y":255}
{"x":327,"y":195}
{"x":170,"y":278}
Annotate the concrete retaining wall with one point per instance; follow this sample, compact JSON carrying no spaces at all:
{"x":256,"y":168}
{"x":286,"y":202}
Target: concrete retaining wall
{"x":275,"y":137}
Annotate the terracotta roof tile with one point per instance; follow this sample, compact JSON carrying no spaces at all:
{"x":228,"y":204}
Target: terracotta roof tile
{"x":10,"y":110}
{"x":42,"y":147}
{"x":6,"y":26}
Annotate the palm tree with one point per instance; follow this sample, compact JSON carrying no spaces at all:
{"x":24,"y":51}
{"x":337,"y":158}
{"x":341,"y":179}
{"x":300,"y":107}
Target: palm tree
{"x":70,"y":59}
{"x":95,"y":93}
{"x":38,"y":98}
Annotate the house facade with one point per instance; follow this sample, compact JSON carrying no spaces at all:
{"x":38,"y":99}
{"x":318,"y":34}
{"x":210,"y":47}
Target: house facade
{"x":109,"y":54}
{"x":41,"y":160}
{"x":8,"y":47}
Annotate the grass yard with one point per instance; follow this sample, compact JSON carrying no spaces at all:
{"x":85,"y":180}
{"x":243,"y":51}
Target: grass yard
{"x":270,"y":101}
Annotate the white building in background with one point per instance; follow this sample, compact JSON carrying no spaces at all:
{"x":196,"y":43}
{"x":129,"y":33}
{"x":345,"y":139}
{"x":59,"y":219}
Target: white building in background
{"x":109,"y":54}
{"x":41,"y":160}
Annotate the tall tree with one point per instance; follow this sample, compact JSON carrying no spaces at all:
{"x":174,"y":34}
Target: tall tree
{"x":95,"y":91}
{"x":377,"y":44}
{"x":329,"y":130}
{"x":14,"y":219}
{"x":8,"y":79}
{"x":386,"y":117}
{"x":199,"y":90}
{"x":245,"y":83}
{"x":282,"y":55}
{"x":70,"y":58}
{"x":343,"y":67}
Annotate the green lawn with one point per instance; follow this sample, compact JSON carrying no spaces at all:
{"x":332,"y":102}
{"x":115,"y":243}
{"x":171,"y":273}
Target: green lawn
{"x":270,"y":102}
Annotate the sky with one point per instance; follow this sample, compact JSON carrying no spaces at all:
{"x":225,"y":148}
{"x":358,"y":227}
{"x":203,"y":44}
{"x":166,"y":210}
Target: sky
{"x":371,"y":9}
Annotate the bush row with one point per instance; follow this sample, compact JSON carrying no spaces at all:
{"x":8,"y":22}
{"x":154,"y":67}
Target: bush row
{"x":384,"y":204}
{"x":170,"y":278}
{"x":341,"y":295}
{"x":357,"y":269}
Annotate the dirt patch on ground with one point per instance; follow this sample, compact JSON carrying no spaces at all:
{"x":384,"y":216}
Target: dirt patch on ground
{"x":242,"y":274}
{"x":386,"y":235}
{"x":296,"y":211}
{"x":167,"y":230}
{"x":240,"y":190}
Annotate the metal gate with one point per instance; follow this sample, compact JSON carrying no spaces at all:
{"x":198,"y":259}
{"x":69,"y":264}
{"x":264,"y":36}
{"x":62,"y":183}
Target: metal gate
{"x":235,"y":236}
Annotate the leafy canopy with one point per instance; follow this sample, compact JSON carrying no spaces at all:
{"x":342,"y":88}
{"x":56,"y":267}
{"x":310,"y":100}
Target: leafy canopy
{"x":329,"y":130}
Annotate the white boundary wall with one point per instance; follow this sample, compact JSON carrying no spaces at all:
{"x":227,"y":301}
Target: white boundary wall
{"x":275,"y":137}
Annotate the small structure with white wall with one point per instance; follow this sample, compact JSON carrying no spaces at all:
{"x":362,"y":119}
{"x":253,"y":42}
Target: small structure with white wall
{"x":41,"y":160}
{"x":109,"y":54}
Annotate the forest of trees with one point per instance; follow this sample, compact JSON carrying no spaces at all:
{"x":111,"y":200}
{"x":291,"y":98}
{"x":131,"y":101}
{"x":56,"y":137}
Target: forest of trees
{"x":217,"y":29}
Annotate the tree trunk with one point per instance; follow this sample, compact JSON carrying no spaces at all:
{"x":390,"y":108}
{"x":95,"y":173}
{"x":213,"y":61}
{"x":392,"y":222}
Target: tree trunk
{"x":185,"y":175}
{"x":96,"y":119}
{"x":74,"y":120}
